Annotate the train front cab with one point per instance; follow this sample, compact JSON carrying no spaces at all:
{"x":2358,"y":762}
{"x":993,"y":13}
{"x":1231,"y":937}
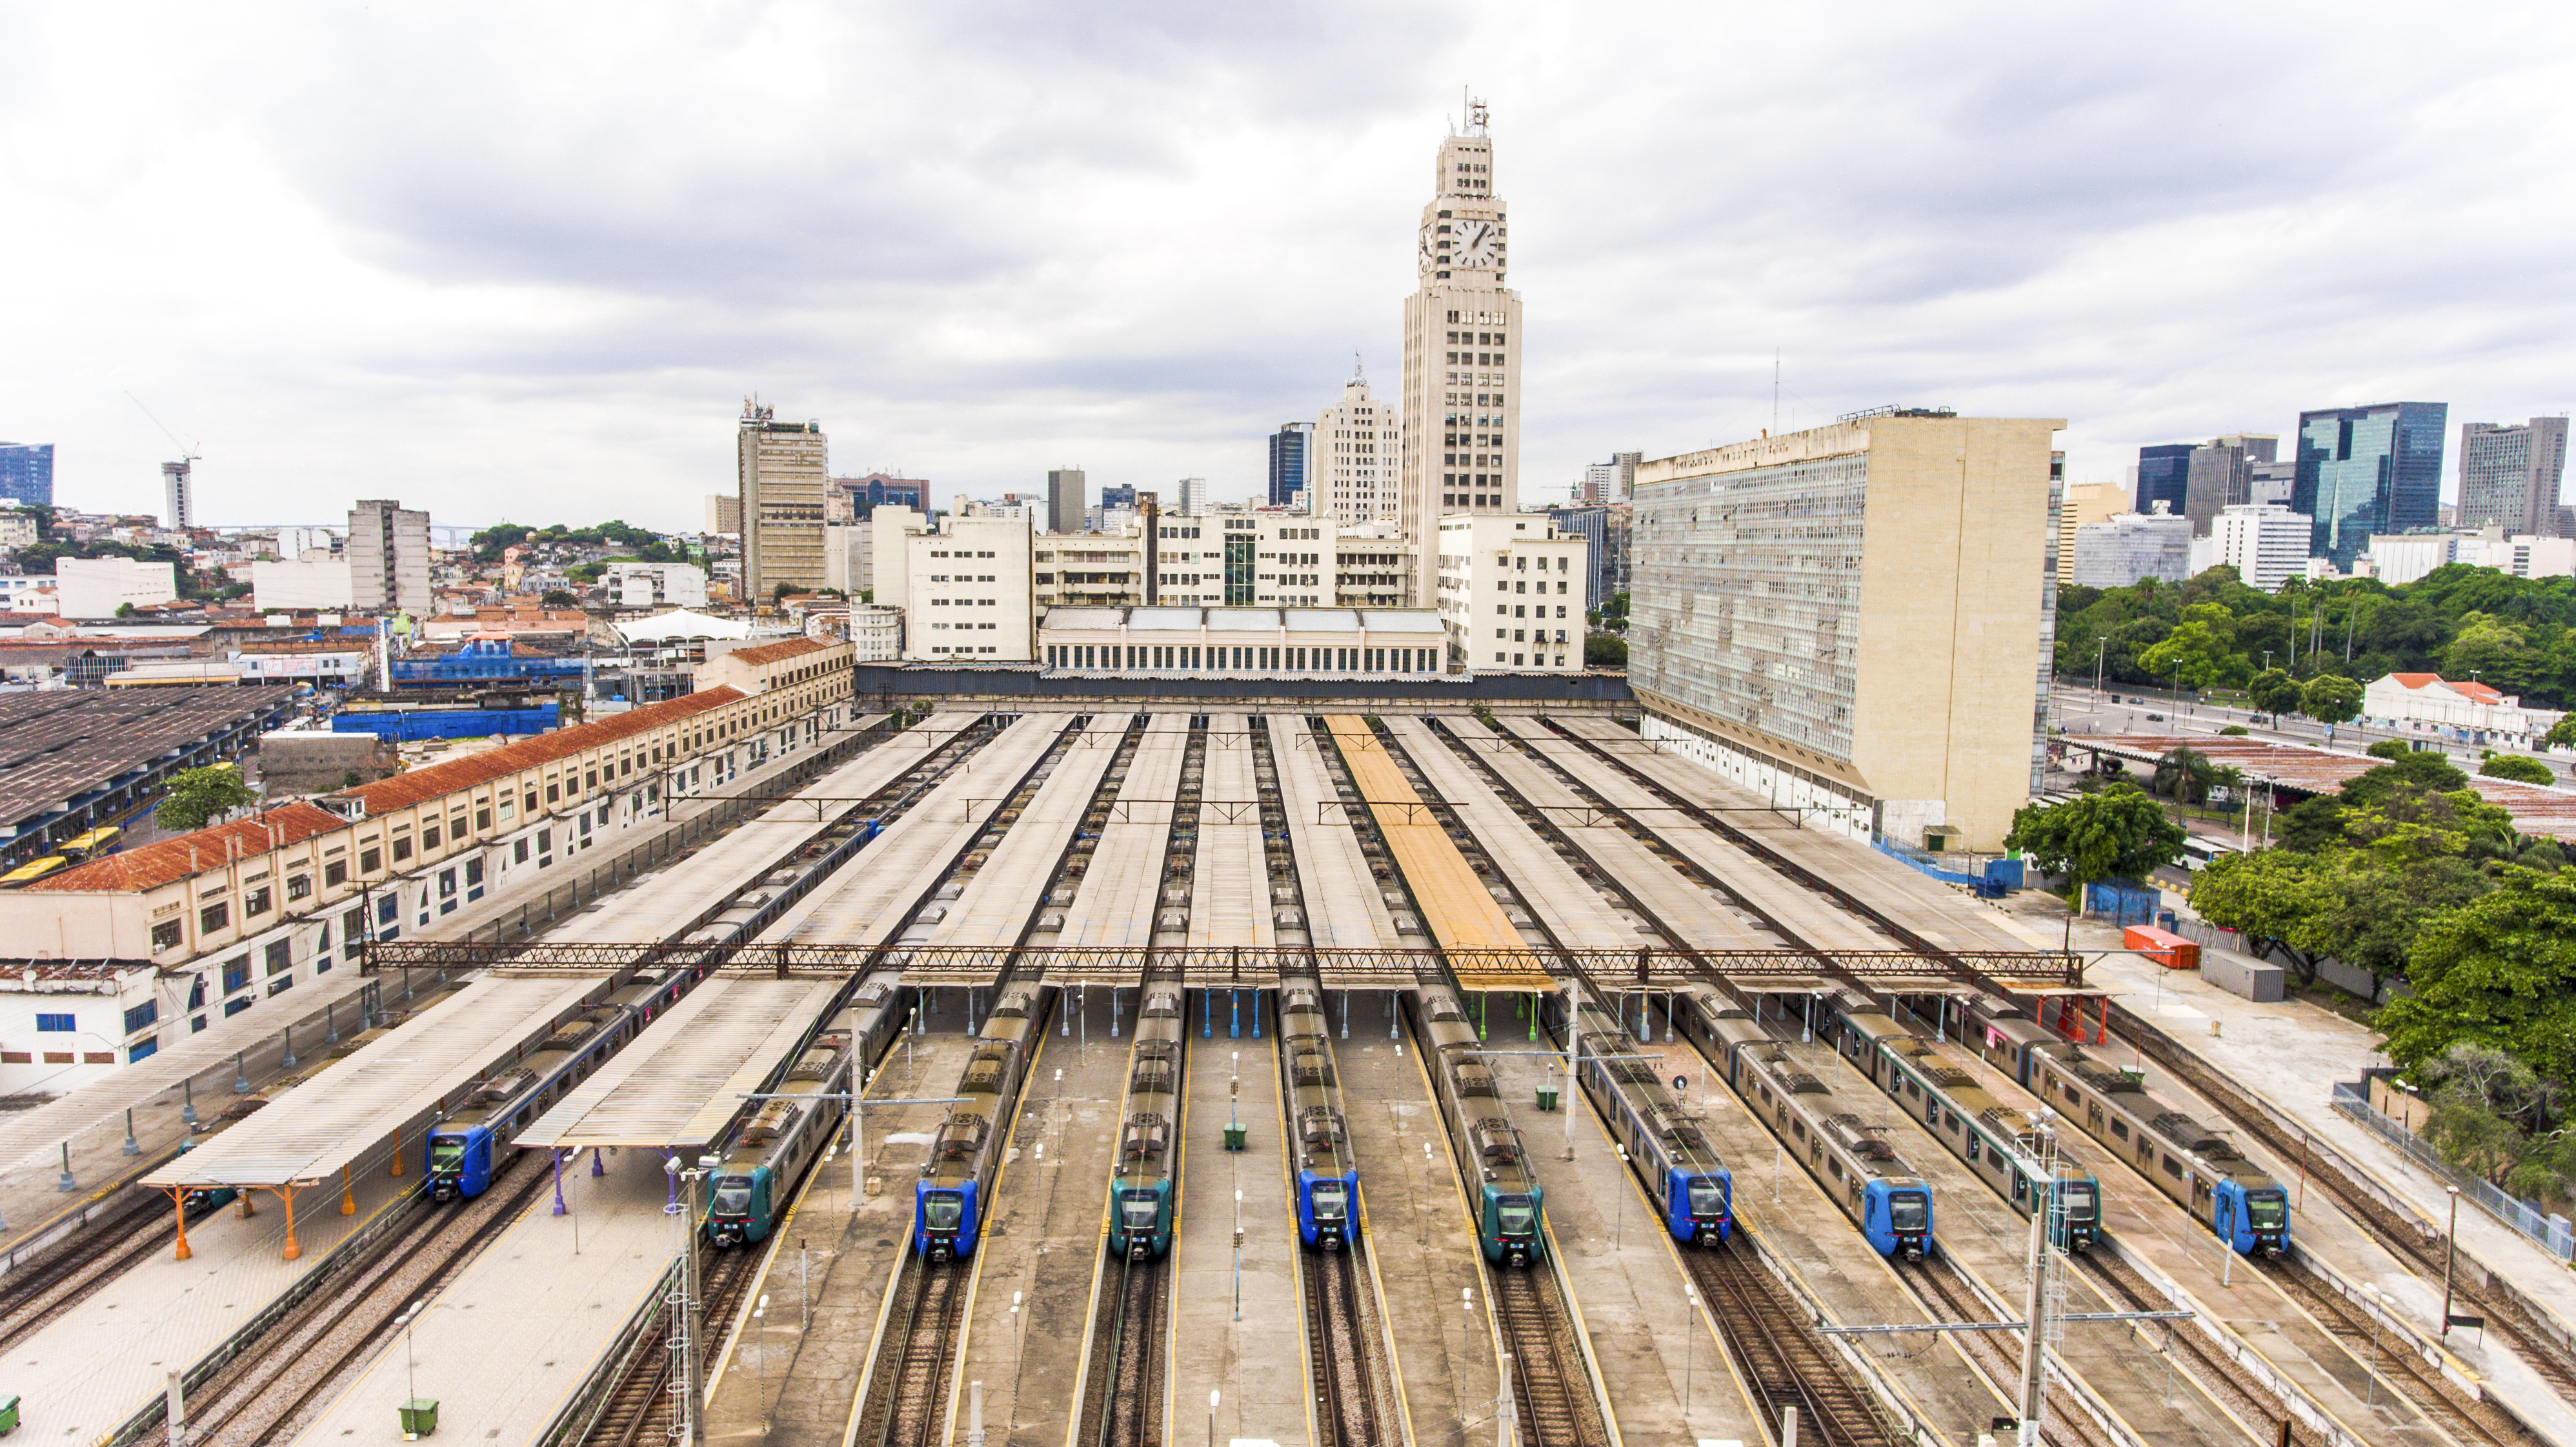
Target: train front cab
{"x":1507,"y":1227}
{"x":2076,"y":1222}
{"x":2251,"y":1220}
{"x":1142,"y":1224}
{"x":1896,"y":1217}
{"x":1698,"y":1208}
{"x":944,"y":1220}
{"x":457,"y":1162}
{"x":738,"y":1210}
{"x":1328,"y":1209}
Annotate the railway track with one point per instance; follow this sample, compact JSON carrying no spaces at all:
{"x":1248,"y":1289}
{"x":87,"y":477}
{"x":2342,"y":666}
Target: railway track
{"x":1555,"y":1406}
{"x":2408,"y":1237}
{"x":644,"y":1403}
{"x":1349,"y":1368}
{"x":2399,"y":1368}
{"x":2223,"y":1381}
{"x":1997,"y":1355}
{"x":82,"y":1262}
{"x":1778,"y":1355}
{"x":296,"y":1367}
{"x":1127,"y":1364}
{"x":907,"y":1385}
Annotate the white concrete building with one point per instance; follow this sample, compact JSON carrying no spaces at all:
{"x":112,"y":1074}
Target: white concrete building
{"x":849,"y":557}
{"x":1245,"y":642}
{"x":1511,"y":594}
{"x":29,"y":594}
{"x":388,"y":557}
{"x":1352,"y":462}
{"x":2123,"y":548}
{"x":657,"y":585}
{"x":876,"y":632}
{"x":97,"y":587}
{"x":2397,"y":558}
{"x":967,"y":590}
{"x":296,"y":542}
{"x":2266,"y":545}
{"x":2523,"y":555}
{"x":1193,"y":493}
{"x":315,"y":580}
{"x":17,"y":528}
{"x":2468,"y":711}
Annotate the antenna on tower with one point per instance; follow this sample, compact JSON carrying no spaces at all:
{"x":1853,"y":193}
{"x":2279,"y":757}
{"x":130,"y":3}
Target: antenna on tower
{"x":1358,"y":373}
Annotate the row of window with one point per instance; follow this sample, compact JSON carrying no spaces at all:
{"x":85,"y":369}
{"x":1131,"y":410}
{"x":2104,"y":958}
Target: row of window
{"x":1539,"y":635}
{"x":1521,"y":610}
{"x":1187,"y":658}
{"x":1536,"y":660}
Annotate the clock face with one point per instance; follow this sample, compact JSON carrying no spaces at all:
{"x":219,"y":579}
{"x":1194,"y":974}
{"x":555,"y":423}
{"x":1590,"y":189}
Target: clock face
{"x":1476,"y":244}
{"x":1427,"y":254}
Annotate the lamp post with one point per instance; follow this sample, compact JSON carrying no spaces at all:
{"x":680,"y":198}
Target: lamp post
{"x":2450,"y":1252}
{"x":2101,"y":652}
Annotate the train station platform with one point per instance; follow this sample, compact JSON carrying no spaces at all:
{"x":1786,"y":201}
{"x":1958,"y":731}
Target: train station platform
{"x":1667,"y":1373}
{"x":827,"y":1277}
{"x":367,"y":1110}
{"x":505,"y":1345}
{"x":681,"y":1083}
{"x":1421,"y":1238}
{"x":1044,"y":1241}
{"x":1241,"y":1335}
{"x":1346,"y":905}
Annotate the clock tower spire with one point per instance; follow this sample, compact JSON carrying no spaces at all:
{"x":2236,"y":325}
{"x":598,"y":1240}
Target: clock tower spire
{"x":1462,"y":355}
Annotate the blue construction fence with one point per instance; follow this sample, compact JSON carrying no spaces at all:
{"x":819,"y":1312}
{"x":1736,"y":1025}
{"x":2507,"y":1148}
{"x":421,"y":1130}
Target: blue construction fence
{"x":409,"y":725}
{"x":1991,"y":879}
{"x":2126,"y":902}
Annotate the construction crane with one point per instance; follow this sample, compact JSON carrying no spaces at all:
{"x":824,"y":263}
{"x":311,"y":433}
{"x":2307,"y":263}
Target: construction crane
{"x":178,"y":478}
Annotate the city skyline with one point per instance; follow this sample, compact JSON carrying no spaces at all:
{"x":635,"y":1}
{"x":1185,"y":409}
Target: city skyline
{"x":489,"y":302}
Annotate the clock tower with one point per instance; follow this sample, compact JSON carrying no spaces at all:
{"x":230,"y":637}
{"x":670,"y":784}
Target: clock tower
{"x":1462,"y":357}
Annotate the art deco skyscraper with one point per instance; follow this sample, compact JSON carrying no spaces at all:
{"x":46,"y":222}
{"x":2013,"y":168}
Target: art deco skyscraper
{"x":1462,"y":357}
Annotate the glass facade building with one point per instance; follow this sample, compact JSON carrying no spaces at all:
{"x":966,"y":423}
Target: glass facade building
{"x":1605,"y":529}
{"x":2164,"y":476}
{"x":1292,"y":450}
{"x":2365,"y":470}
{"x":27,"y":472}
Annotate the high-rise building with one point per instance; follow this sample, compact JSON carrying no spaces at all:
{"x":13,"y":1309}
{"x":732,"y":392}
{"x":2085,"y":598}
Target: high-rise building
{"x":2272,"y":482}
{"x":2364,"y":470}
{"x":2164,"y":476}
{"x":179,"y":494}
{"x":2221,"y":474}
{"x":2118,"y":551}
{"x":1851,"y":619}
{"x":1611,"y":481}
{"x":1604,"y":528}
{"x":724,"y":512}
{"x":1194,"y":497}
{"x":388,"y":557}
{"x":1121,"y":498}
{"x":1064,"y":500}
{"x":2086,"y":502}
{"x":2509,"y":474}
{"x":782,"y":479}
{"x":1462,"y":355}
{"x":1292,"y":453}
{"x":1357,"y":443}
{"x":2266,"y":545}
{"x":853,"y":499}
{"x":27,"y":472}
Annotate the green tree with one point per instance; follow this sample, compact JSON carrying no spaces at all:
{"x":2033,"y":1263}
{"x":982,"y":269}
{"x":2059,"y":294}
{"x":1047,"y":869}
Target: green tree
{"x":2118,"y":833}
{"x":2275,"y":692}
{"x":2390,"y":749}
{"x":2270,"y":896}
{"x":2370,"y":912}
{"x":2562,"y":734}
{"x":1604,"y":650}
{"x":2201,"y":651}
{"x":2331,"y":699}
{"x":2185,"y":776}
{"x":558,"y":598}
{"x":2494,"y":652}
{"x":2499,"y":971}
{"x":2520,"y":768}
{"x":196,"y":796}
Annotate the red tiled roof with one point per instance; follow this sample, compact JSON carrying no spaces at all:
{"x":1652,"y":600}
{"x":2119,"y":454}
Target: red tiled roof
{"x":421,"y":785}
{"x":2416,"y":680}
{"x":2472,"y":690}
{"x":772,"y":652}
{"x":170,"y":860}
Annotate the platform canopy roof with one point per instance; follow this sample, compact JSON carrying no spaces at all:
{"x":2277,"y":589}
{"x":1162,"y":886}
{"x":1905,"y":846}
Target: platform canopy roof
{"x":348,"y":1112}
{"x":683,"y":1081}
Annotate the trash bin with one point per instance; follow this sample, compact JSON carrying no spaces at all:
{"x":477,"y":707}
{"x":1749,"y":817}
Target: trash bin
{"x":8,"y":1415}
{"x":419,"y":1418}
{"x":1547,"y":1097}
{"x":1234,"y":1137}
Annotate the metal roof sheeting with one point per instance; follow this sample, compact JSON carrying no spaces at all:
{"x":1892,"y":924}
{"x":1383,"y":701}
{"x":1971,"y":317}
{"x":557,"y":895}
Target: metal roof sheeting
{"x":682,"y":1082}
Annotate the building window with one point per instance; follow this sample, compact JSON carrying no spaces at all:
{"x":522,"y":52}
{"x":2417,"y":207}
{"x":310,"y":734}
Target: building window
{"x":428,"y":838}
{"x":213,"y":917}
{"x":335,"y":873}
{"x":554,"y":793}
{"x":280,"y":956}
{"x":519,"y":852}
{"x":255,"y":902}
{"x":369,"y":861}
{"x":235,"y":1007}
{"x":236,"y":974}
{"x":142,"y":1049}
{"x":298,"y":885}
{"x":482,"y":819}
{"x":143,"y":1016}
{"x":55,"y":1024}
{"x":166,"y":935}
{"x":281,"y":985}
{"x":402,"y":846}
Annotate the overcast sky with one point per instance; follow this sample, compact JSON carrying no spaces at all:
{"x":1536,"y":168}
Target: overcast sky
{"x":524,"y":262}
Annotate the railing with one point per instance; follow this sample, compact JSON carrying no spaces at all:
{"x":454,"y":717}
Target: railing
{"x":583,"y":1409}
{"x":2551,"y":1233}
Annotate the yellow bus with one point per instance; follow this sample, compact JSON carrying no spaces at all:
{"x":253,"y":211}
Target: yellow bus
{"x":30,"y":872}
{"x":85,"y":847}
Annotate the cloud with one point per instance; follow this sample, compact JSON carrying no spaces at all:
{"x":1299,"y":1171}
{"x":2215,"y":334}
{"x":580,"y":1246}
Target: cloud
{"x":527,"y":260}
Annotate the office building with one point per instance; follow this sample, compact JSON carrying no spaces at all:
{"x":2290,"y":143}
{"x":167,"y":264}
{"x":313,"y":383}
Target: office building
{"x":1604,"y":528}
{"x":94,"y":588}
{"x":782,"y":479}
{"x":1121,"y":498}
{"x":2509,"y":474}
{"x":1611,"y":481}
{"x":2272,"y":482}
{"x":2163,"y":476}
{"x":1194,"y":497}
{"x":2221,"y":474}
{"x":1292,"y":452}
{"x":2120,"y":550}
{"x":178,"y":494}
{"x":388,"y":556}
{"x":2266,"y":545}
{"x":319,"y":582}
{"x":1850,"y":619}
{"x":1462,"y":354}
{"x":2086,"y":503}
{"x":1064,"y":499}
{"x":1353,"y":474}
{"x":1510,"y":594}
{"x":964,"y":587}
{"x":2365,"y":470}
{"x":724,"y":513}
{"x":27,"y":472}
{"x":852,"y":499}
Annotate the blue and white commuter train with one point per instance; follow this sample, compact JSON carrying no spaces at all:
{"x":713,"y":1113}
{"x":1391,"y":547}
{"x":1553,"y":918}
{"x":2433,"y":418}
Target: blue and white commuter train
{"x":948,"y":1202}
{"x":1693,"y":1192}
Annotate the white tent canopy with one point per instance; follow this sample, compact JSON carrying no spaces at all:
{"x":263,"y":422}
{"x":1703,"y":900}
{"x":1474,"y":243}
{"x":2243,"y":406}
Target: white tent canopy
{"x":681,"y":624}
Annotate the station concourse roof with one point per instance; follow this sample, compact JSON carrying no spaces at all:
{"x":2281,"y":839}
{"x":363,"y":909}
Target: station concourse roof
{"x":682,"y":1082}
{"x":345,"y":1113}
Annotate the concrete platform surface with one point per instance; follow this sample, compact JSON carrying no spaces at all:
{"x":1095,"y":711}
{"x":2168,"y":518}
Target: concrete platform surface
{"x":1654,"y":1350}
{"x":505,"y":1345}
{"x":1255,"y":1357}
